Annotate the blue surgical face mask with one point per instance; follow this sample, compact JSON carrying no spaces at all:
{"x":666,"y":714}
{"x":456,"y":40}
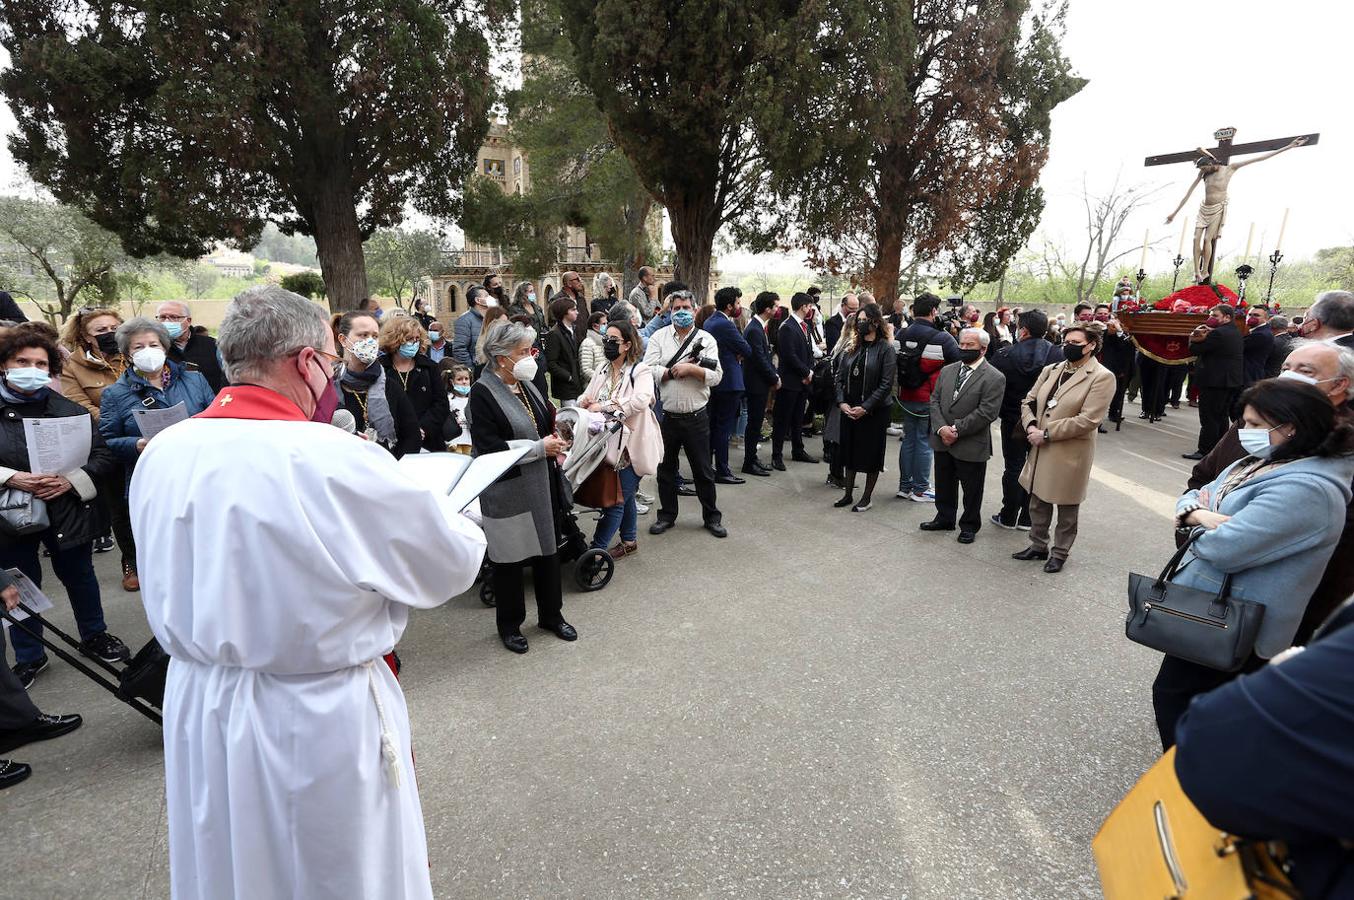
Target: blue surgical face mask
{"x":462,"y":389}
{"x":434,"y":336}
{"x":531,"y":297}
{"x":27,"y":379}
{"x":409,"y":349}
{"x":683,"y":318}
{"x":174,"y":328}
{"x":1255,"y":441}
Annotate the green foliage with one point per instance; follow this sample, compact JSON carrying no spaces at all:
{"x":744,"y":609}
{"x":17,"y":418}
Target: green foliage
{"x":928,"y":124}
{"x":67,"y":254}
{"x":293,"y":249}
{"x":199,"y":278}
{"x":307,"y":284}
{"x":398,"y":260}
{"x":177,"y":124}
{"x":578,"y":176}
{"x":687,"y":87}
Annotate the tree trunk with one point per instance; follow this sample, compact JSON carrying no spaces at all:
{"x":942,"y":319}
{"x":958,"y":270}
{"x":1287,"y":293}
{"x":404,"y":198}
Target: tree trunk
{"x":883,"y":275}
{"x":636,"y":220}
{"x":694,"y":223}
{"x":338,"y":243}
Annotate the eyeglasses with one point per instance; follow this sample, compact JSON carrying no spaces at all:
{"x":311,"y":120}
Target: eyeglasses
{"x":166,"y":317}
{"x":336,"y":362}
{"x":681,"y":295}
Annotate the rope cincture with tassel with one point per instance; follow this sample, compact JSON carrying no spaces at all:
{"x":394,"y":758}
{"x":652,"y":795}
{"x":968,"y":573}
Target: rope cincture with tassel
{"x":390,"y":751}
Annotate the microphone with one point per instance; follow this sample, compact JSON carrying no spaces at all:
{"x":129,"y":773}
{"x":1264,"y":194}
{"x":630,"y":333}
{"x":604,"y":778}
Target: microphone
{"x":345,"y":420}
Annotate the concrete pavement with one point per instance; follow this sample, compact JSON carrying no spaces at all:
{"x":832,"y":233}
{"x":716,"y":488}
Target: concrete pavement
{"x":825,"y":704}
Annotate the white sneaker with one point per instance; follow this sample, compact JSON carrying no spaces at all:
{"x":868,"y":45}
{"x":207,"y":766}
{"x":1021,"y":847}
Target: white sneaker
{"x":903,"y":495}
{"x":925,"y":497}
{"x":895,"y":430}
{"x":643,"y":497}
{"x":640,"y":508}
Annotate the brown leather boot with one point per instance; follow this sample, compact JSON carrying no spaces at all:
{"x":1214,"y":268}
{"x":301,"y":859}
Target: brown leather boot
{"x":130,"y":582}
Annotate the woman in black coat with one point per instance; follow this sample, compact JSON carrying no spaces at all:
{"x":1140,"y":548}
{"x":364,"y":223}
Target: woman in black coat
{"x":864,"y":386}
{"x":30,"y":362}
{"x":378,"y":404}
{"x":404,"y":345}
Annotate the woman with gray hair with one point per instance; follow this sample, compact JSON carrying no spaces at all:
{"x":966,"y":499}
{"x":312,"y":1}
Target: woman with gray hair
{"x":151,"y":381}
{"x":604,"y":293}
{"x":521,"y":510}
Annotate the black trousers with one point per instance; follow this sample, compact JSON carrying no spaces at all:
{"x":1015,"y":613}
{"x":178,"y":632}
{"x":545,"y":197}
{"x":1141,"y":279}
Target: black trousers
{"x":688,"y":433}
{"x":1117,"y":404}
{"x":786,"y":420}
{"x":1015,"y":449}
{"x":1175,"y":383}
{"x":113,"y":494}
{"x":16,"y":709}
{"x":1154,"y":377}
{"x":1215,"y":416}
{"x":1178,"y":682}
{"x":723,"y":409}
{"x":509,"y":595}
{"x":950,"y":475}
{"x":753,"y":433}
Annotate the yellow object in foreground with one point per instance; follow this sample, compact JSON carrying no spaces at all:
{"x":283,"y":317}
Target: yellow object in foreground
{"x":1156,"y":844}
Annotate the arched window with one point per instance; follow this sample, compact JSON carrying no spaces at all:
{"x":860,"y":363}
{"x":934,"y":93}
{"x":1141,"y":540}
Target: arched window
{"x":451,"y":298}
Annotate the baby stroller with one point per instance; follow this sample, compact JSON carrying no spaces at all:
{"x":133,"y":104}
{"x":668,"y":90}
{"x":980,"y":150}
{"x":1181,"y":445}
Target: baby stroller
{"x":593,"y":568}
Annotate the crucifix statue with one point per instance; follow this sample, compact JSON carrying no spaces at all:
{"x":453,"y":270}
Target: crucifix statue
{"x":1215,"y":170}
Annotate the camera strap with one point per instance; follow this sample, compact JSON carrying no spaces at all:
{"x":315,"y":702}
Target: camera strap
{"x":682,"y":349}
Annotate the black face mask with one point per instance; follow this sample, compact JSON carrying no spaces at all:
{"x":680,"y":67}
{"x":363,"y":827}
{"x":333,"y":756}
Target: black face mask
{"x":612,"y":349}
{"x":1073,"y":352}
{"x":969,"y":356}
{"x":107,"y":342}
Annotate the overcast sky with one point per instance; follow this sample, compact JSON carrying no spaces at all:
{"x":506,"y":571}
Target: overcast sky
{"x":1164,"y":74}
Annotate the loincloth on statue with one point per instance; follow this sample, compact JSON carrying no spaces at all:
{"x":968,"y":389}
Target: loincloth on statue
{"x":1212,"y":216}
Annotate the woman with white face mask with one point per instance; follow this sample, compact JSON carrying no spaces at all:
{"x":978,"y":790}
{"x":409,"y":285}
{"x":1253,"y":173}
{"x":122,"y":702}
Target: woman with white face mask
{"x":30,"y":363}
{"x":520,"y":510}
{"x":1270,"y":520}
{"x":380,"y":406}
{"x":150,"y":381}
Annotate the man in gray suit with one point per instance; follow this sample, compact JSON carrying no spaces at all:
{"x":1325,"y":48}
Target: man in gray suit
{"x":964,"y":404}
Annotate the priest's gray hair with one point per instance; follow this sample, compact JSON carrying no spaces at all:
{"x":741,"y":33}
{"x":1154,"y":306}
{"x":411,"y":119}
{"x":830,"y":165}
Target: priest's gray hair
{"x":264,"y":324}
{"x":140,"y":325}
{"x":983,"y":337}
{"x":504,"y":338}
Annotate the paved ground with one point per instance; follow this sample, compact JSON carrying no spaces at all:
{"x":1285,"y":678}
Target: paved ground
{"x":825,"y":704}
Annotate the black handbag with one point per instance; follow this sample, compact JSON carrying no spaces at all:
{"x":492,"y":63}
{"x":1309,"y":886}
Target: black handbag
{"x":1210,"y":629}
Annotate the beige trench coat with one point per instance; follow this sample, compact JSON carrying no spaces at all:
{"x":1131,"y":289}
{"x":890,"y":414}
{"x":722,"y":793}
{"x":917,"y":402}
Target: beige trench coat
{"x":1059,"y":471}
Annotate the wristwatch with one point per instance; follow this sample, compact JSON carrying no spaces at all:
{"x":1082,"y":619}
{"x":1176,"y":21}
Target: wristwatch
{"x":1046,"y":437}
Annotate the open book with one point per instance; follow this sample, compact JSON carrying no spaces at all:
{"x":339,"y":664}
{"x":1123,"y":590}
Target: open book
{"x":461,"y":478}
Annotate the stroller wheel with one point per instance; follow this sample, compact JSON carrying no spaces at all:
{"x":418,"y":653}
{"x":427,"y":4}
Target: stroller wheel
{"x":487,"y":594}
{"x":594,"y":570}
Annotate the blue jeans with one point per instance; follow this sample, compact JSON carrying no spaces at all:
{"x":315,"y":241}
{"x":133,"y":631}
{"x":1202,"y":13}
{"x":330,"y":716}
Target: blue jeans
{"x":914,"y":454}
{"x":622,"y":516}
{"x":74,"y":568}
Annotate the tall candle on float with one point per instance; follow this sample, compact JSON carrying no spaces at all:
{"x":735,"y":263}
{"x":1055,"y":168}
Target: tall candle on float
{"x":1142,"y":261}
{"x":1184,"y":228}
{"x":1283,"y":226}
{"x":1250,"y":238}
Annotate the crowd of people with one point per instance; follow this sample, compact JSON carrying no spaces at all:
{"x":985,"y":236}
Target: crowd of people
{"x":687,"y":384}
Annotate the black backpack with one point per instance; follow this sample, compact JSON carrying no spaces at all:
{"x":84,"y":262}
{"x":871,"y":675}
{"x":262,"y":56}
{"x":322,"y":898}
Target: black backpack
{"x":910,"y":374}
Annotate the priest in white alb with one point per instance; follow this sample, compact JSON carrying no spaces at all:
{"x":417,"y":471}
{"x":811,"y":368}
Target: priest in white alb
{"x":279,"y":559}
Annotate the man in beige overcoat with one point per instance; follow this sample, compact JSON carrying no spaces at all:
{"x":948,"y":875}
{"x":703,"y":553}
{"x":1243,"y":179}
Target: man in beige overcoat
{"x":1061,"y":414}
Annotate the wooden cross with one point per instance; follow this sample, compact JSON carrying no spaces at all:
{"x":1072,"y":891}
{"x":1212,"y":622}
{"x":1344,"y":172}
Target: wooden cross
{"x":1226,"y":149}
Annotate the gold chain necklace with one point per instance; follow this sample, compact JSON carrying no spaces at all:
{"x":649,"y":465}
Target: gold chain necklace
{"x":361,"y":401}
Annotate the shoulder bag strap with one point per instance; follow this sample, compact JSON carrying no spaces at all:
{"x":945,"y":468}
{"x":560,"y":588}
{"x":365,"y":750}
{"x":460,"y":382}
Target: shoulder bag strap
{"x":682,"y":349}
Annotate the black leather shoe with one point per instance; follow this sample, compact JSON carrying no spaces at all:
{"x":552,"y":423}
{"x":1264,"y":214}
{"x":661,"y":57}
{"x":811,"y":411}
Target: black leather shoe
{"x":11,"y":772}
{"x":730,"y":479}
{"x":998,"y":521}
{"x":935,"y":525}
{"x":660,"y":526}
{"x":844,"y":502}
{"x":562,"y":630}
{"x":685,"y":491}
{"x":1100,"y":429}
{"x":756,"y":469}
{"x":801,"y":456}
{"x":1030,"y":553}
{"x":43,"y":728}
{"x":966,"y":537}
{"x":517,"y":643}
{"x":1054,"y":565}
{"x":778,"y":464}
{"x":717,"y":529}
{"x":1196,"y":455}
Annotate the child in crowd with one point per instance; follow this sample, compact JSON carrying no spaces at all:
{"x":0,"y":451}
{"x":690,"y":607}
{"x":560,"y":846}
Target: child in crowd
{"x":459,"y":396}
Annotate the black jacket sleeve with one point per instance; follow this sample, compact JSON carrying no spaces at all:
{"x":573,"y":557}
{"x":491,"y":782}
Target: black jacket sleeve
{"x":489,"y":431}
{"x":434,"y":418}
{"x":888,"y":370}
